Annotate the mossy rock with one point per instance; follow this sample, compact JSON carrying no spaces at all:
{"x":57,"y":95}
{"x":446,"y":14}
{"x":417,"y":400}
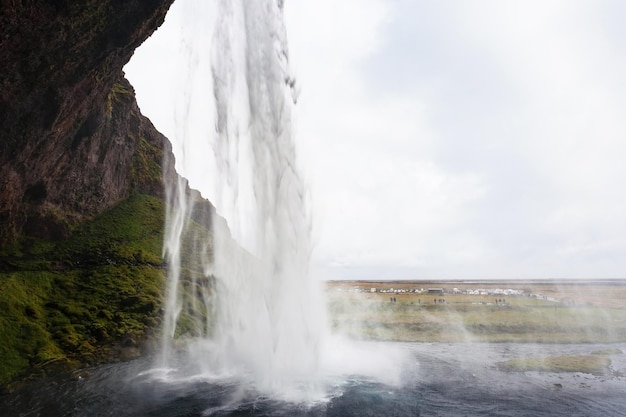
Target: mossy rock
{"x":64,"y":303}
{"x":70,"y":302}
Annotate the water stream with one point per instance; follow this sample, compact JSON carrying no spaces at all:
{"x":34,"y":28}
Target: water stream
{"x":266,"y":316}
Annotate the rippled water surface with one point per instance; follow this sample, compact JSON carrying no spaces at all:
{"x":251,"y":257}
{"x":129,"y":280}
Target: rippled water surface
{"x":439,"y":379}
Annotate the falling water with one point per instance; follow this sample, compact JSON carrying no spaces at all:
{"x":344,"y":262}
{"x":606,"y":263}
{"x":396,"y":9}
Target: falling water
{"x":264,"y":312}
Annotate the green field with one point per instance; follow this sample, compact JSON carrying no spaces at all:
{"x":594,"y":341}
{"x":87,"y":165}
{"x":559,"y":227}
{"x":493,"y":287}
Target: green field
{"x":422,"y":317}
{"x":589,"y":364}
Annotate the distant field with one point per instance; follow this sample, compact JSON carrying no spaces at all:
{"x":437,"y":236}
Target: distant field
{"x":546,"y":312}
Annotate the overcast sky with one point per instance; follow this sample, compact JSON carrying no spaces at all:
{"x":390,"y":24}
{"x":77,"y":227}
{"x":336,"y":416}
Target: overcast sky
{"x":449,"y":138}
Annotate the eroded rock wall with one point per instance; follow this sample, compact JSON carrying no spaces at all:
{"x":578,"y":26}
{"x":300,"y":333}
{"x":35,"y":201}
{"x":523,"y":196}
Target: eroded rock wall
{"x":72,"y":140}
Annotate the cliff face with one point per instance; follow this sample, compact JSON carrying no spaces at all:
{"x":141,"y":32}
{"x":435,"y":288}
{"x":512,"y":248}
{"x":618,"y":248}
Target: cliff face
{"x":72,"y":140}
{"x":81,"y":186}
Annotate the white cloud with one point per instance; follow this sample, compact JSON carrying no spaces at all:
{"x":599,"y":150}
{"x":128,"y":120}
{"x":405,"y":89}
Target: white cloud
{"x":501,"y":152}
{"x":379,"y":196}
{"x":566,"y":72}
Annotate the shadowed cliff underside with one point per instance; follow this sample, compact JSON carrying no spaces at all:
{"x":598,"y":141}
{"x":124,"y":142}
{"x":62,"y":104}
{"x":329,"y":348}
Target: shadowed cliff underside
{"x":73,"y":142}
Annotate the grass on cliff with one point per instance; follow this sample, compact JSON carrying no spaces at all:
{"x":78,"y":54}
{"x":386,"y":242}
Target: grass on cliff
{"x":71,"y":301}
{"x":131,"y":234}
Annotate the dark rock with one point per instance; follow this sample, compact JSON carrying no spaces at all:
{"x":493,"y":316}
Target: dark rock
{"x":72,"y":140}
{"x":74,"y":148}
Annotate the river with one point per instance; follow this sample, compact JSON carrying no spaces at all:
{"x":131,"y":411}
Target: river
{"x":438,"y":380}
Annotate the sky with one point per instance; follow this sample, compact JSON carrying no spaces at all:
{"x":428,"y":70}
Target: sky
{"x":449,"y":138}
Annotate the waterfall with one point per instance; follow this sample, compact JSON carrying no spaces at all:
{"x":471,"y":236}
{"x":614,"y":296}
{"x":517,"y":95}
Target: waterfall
{"x":264,"y":312}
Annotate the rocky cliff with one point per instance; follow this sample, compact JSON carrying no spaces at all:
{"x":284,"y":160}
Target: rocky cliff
{"x":72,"y":140}
{"x":81,"y":186}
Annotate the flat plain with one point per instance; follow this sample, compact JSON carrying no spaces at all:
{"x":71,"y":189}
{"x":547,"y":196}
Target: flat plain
{"x":480,"y":311}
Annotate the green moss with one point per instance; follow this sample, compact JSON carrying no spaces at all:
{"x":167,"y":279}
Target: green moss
{"x":118,"y":93}
{"x":591,"y":364}
{"x":145,"y":167}
{"x":66,"y":303}
{"x":24,"y":340}
{"x":131,"y":234}
{"x":42,"y":321}
{"x":119,"y":89}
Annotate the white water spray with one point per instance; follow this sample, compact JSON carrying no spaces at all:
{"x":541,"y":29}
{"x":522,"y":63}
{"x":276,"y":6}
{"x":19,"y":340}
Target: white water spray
{"x":265,"y":313}
{"x":241,"y":305}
